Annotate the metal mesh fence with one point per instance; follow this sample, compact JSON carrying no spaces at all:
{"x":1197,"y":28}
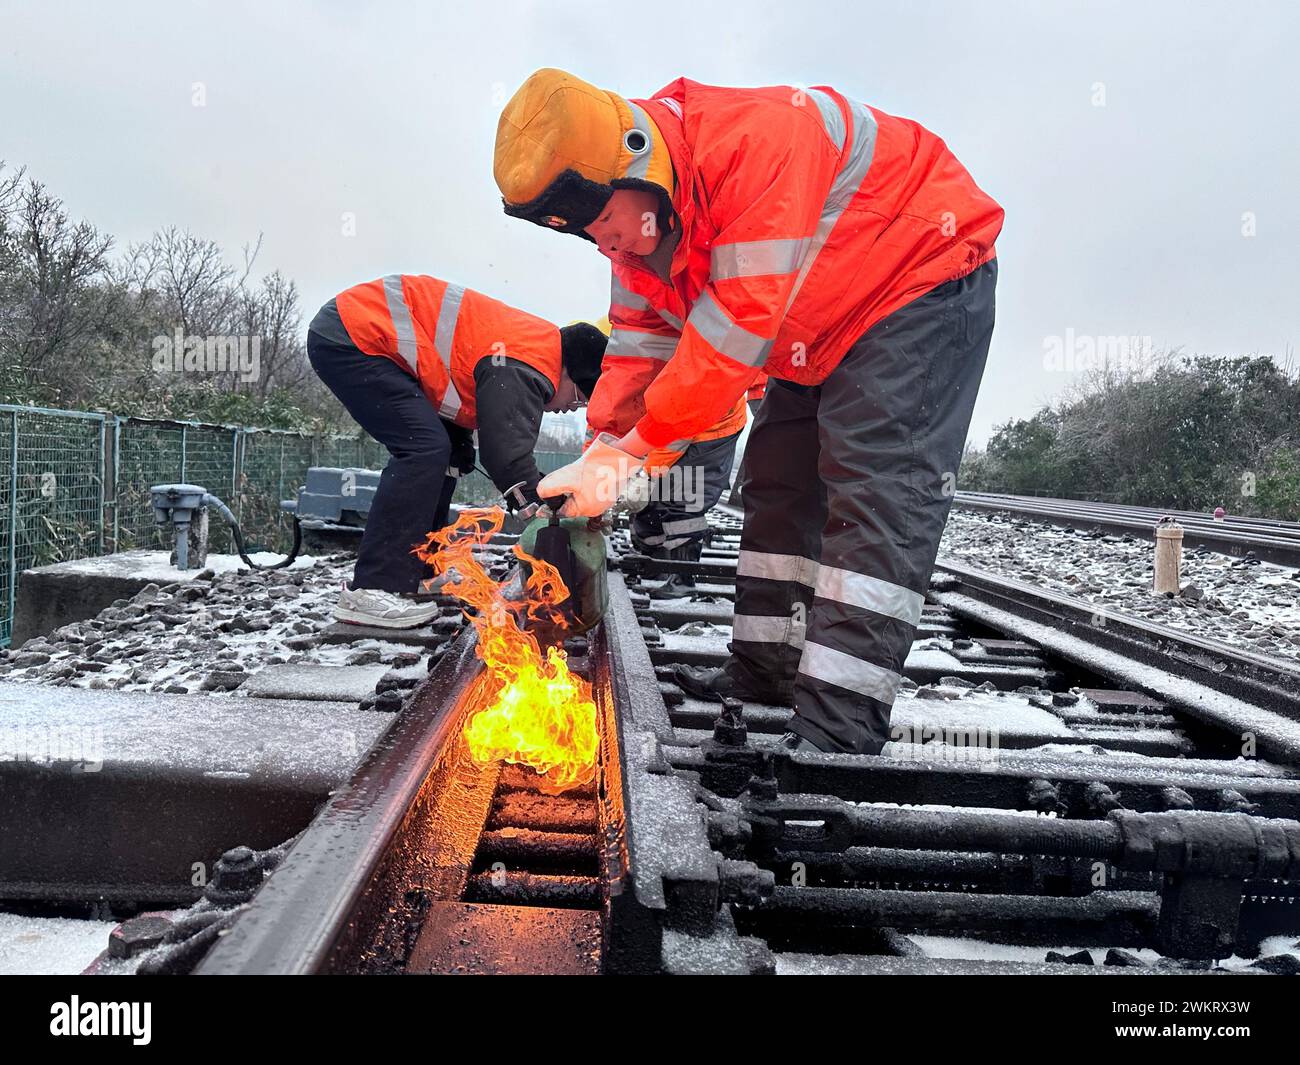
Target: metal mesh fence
{"x":51,"y":493}
{"x":56,"y":466}
{"x":147,"y":453}
{"x":251,"y":469}
{"x":209,"y":453}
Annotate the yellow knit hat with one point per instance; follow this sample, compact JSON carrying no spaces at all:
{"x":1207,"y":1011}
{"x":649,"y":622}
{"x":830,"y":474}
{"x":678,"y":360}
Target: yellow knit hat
{"x":563,"y":146}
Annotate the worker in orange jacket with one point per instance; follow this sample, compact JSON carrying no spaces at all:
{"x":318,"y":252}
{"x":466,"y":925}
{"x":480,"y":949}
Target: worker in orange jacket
{"x":683,"y":481}
{"x":421,"y":364}
{"x":847,"y":254}
{"x":681,"y":485}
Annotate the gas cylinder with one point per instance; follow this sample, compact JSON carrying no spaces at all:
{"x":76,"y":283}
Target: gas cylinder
{"x":577,"y":551}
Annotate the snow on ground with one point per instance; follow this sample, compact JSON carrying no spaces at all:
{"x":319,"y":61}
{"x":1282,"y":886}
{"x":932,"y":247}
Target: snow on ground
{"x":49,"y":946}
{"x":982,"y":950}
{"x":1256,"y":606}
{"x":171,"y":636}
{"x":196,"y":632}
{"x":156,"y":565}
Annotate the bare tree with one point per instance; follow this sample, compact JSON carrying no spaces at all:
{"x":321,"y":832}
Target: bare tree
{"x":79,"y":326}
{"x":53,"y":309}
{"x":195,"y":279}
{"x":272,"y":314}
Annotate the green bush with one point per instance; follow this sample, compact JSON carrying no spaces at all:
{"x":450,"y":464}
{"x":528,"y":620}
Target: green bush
{"x":1188,"y":434}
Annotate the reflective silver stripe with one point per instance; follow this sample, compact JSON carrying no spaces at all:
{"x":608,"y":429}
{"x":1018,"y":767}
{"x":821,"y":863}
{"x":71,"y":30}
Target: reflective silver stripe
{"x":450,"y":405}
{"x":670,"y":318}
{"x":443,"y":338}
{"x":855,"y":167}
{"x":402,"y":324}
{"x":687,"y":525}
{"x":641,"y":163}
{"x":845,"y":671}
{"x":672,"y":106}
{"x":869,"y":593}
{"x":756,"y":258}
{"x":641,"y":345}
{"x":754,"y":629}
{"x":445,"y":334}
{"x":677,"y":542}
{"x":733,"y":341}
{"x":777,"y":567}
{"x":679,"y":445}
{"x":847,"y":182}
{"x":620,"y":296}
{"x":831,"y":116}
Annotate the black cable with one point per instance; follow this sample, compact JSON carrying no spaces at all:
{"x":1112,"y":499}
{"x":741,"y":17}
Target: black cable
{"x":238,"y":535}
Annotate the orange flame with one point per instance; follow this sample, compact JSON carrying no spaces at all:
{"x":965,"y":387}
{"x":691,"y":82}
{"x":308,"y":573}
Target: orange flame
{"x":535,"y":712}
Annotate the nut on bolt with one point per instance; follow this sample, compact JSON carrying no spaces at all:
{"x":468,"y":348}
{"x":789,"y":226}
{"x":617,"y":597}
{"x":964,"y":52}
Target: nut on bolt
{"x":237,"y":875}
{"x":1044,"y":796}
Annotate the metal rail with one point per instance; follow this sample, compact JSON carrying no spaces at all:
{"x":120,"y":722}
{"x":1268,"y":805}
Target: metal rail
{"x":1260,"y":695}
{"x":1266,"y":539}
{"x":308,"y":914}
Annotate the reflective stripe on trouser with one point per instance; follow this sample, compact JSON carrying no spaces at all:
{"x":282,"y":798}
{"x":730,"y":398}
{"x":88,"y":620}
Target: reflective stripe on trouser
{"x":847,"y":490}
{"x":784,"y":503}
{"x":684,"y":494}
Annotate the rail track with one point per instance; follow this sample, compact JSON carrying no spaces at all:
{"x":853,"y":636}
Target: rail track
{"x":1266,"y":539}
{"x":1064,"y":793}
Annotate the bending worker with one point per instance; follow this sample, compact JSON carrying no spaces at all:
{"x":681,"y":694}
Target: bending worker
{"x":420,"y":364}
{"x":847,"y":254}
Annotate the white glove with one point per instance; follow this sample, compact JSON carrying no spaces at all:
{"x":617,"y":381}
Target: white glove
{"x":593,"y":483}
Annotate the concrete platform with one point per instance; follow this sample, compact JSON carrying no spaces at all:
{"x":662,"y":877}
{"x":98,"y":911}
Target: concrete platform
{"x":133,"y":796}
{"x":345,"y":684}
{"x":58,"y":594}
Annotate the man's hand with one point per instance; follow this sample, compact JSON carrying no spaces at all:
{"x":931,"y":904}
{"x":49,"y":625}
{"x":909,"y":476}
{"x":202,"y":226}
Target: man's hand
{"x":594,"y":482}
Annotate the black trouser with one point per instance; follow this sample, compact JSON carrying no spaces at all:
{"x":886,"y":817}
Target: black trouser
{"x":683,"y":496}
{"x":414,"y":493}
{"x":847,"y":489}
{"x":733,"y":497}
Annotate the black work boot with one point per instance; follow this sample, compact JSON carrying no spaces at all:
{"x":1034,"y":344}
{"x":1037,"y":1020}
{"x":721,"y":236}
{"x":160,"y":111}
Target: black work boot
{"x":734,"y":681}
{"x":679,"y":585}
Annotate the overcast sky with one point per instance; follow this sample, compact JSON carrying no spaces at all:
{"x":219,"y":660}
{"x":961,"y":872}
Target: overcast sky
{"x":1133,"y":145}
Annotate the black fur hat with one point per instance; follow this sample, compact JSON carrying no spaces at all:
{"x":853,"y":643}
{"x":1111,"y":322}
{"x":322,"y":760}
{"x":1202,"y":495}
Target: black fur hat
{"x":582,"y":347}
{"x":570,"y":203}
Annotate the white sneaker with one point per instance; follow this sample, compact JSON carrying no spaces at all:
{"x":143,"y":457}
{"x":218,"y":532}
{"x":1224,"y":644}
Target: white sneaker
{"x":387,"y":610}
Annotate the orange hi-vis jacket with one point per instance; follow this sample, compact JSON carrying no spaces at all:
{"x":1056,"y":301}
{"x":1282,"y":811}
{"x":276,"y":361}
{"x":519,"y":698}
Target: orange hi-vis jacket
{"x":659,"y":332}
{"x":438,"y":332}
{"x":805,"y":218}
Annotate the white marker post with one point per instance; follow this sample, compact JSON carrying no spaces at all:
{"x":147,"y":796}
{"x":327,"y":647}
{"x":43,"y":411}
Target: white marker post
{"x":1169,"y":556}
